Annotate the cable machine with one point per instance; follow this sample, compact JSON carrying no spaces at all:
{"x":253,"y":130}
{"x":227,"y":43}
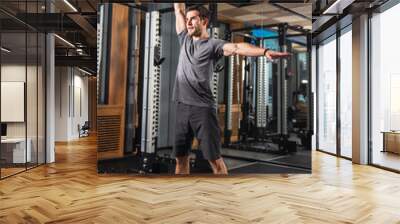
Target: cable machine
{"x":265,"y":100}
{"x":142,"y":106}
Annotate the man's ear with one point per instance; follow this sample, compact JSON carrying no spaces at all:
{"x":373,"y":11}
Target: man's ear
{"x":205,"y":22}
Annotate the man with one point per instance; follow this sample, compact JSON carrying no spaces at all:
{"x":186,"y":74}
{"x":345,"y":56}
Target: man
{"x":196,"y":111}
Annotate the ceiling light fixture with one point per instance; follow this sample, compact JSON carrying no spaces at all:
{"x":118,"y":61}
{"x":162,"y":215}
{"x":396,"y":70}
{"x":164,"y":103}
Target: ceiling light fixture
{"x":65,"y":41}
{"x":5,"y":50}
{"x":70,"y":5}
{"x":338,"y":6}
{"x":84,"y":71}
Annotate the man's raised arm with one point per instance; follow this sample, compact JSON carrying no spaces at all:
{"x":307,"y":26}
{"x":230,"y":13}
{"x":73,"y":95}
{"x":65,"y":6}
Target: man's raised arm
{"x":246,"y":49}
{"x":180,"y":17}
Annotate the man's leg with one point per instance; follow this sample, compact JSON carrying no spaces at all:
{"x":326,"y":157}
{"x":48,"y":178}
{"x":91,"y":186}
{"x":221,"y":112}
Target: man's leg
{"x":182,"y":165}
{"x":183,"y":139}
{"x":218,"y":166}
{"x":205,"y":123}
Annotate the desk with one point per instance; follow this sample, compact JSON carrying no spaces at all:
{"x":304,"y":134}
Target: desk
{"x":391,"y":141}
{"x":13,"y":150}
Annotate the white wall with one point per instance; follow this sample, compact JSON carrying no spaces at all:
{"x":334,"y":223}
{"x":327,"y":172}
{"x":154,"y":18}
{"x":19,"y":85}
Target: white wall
{"x":71,"y":102}
{"x":62,"y":82}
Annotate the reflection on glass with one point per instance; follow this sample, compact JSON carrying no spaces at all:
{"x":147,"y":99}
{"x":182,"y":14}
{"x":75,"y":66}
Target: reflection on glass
{"x":327,"y":96}
{"x":346,"y":94}
{"x":385,"y":85}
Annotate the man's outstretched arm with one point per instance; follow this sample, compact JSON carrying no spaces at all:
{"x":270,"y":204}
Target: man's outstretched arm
{"x":180,"y":23}
{"x":246,"y":49}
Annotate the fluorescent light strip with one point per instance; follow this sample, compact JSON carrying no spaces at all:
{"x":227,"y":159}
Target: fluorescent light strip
{"x":65,"y":41}
{"x":338,"y":5}
{"x":70,"y":5}
{"x":331,"y":7}
{"x":5,"y":50}
{"x":86,"y":72}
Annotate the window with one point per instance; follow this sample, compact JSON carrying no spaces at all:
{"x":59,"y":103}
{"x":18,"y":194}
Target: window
{"x":346,"y":92}
{"x":327,"y":95}
{"x":385,"y":88}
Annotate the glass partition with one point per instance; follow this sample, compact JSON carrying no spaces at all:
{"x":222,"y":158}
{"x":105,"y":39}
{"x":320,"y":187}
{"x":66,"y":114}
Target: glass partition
{"x":14,"y":153}
{"x":22,"y":88}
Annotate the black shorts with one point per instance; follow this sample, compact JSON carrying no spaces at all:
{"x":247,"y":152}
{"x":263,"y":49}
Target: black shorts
{"x":200,"y":122}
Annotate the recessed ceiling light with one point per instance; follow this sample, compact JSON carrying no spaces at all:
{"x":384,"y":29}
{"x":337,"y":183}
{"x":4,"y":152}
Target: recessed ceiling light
{"x":5,"y":50}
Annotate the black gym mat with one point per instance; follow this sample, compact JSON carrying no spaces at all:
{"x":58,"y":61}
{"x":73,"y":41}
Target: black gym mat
{"x":243,"y":154}
{"x":298,"y":160}
{"x":264,"y":168}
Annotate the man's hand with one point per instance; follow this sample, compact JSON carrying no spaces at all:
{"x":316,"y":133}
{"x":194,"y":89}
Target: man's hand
{"x":276,"y":54}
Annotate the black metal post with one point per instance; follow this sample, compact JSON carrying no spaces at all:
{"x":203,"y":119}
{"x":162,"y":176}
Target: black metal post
{"x":338,"y":72}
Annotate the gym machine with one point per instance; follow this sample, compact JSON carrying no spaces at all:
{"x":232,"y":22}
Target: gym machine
{"x":138,"y":150}
{"x":265,"y":105}
{"x":261,"y":123}
{"x":151,"y":90}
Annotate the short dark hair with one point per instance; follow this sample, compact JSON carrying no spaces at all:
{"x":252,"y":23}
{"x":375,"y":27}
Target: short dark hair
{"x":203,"y":11}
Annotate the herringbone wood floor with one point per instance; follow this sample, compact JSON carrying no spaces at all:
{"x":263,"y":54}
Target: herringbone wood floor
{"x":70,"y":191}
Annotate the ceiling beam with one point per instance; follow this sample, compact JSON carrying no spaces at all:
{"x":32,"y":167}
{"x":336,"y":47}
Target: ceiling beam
{"x":84,"y":24}
{"x":83,"y":61}
{"x":291,"y":11}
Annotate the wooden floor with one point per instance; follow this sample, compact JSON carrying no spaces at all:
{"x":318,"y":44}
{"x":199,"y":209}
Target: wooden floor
{"x":10,"y":171}
{"x":70,"y":191}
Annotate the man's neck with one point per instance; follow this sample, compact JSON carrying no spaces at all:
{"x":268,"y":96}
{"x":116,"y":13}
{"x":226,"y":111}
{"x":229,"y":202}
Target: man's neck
{"x":203,"y":36}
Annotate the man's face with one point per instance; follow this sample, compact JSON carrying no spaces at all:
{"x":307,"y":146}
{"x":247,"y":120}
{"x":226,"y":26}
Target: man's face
{"x":194,"y":24}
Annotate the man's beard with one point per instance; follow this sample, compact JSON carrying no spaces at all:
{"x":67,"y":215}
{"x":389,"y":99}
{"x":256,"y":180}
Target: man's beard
{"x":197,"y":32}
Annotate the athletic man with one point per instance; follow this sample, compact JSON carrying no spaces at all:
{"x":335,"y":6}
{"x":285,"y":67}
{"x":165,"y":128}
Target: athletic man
{"x":196,"y":107}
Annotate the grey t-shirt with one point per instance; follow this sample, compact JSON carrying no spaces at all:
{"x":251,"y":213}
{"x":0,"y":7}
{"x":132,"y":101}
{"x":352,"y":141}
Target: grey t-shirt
{"x":195,"y":69}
